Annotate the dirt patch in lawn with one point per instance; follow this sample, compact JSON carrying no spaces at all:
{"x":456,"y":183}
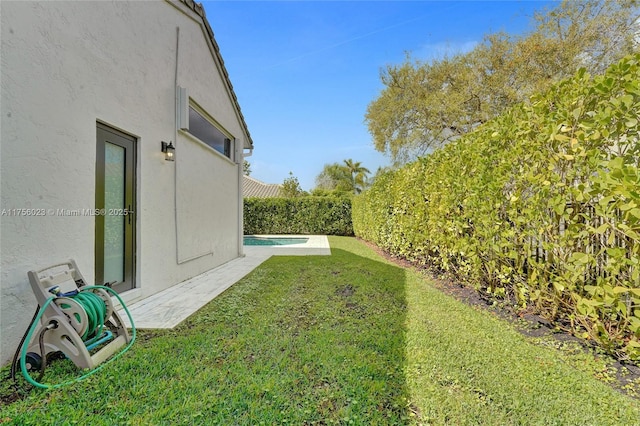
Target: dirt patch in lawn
{"x":622,"y":376}
{"x":346,"y":291}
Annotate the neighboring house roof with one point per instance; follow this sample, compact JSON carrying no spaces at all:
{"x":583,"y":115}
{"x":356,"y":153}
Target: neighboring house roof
{"x":254,"y":188}
{"x":199,"y":10}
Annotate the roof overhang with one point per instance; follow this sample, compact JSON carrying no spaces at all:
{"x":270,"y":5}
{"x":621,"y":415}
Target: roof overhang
{"x":193,"y":8}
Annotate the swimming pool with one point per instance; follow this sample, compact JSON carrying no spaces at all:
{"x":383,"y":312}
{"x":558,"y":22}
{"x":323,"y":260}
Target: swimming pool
{"x":251,"y":240}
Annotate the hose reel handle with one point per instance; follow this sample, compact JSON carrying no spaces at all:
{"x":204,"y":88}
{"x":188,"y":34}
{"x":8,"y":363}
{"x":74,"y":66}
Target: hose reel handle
{"x":55,"y":290}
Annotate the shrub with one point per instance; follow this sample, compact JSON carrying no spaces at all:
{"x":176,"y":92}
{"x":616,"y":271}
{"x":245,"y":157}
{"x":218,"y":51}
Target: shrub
{"x":301,"y":215}
{"x":541,"y":203}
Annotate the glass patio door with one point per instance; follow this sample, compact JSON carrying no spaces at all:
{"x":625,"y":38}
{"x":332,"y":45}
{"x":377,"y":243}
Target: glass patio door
{"x":115,"y":207}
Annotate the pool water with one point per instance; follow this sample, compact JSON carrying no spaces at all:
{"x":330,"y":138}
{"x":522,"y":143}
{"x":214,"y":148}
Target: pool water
{"x":273,"y":241}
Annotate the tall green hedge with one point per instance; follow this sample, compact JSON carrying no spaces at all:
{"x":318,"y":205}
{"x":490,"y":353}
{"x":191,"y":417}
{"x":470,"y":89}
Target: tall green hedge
{"x":300,"y":215}
{"x":542,"y":203}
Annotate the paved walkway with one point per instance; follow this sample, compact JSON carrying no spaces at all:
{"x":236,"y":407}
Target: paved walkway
{"x":170,"y":307}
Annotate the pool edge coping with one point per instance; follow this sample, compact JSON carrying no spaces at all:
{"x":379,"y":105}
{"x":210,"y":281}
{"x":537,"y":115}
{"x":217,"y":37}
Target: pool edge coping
{"x":316,"y":245}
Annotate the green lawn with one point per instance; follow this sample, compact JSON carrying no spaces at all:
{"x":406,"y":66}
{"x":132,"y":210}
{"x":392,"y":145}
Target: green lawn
{"x":345,"y":339}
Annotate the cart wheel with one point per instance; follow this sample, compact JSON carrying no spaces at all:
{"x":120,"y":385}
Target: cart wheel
{"x":33,"y":361}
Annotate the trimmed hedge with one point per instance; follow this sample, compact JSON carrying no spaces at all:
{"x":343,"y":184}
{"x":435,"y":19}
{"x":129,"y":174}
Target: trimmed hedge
{"x":541,"y":204}
{"x":300,"y":215}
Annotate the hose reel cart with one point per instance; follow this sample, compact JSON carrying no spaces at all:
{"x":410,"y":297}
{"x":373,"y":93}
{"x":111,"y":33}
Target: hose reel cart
{"x":78,"y":320}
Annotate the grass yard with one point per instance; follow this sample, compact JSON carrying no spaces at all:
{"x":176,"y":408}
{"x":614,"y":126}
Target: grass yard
{"x":341,"y":339}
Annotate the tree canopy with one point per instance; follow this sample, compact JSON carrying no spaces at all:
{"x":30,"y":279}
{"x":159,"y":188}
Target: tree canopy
{"x":346,"y":177}
{"x":357,"y":174}
{"x":424,"y":105}
{"x":291,"y":187}
{"x":246,"y":168}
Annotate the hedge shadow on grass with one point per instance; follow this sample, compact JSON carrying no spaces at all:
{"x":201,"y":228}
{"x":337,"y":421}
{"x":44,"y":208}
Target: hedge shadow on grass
{"x":300,"y":340}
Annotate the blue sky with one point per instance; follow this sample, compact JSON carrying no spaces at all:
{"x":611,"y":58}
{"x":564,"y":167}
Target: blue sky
{"x":305,"y":71}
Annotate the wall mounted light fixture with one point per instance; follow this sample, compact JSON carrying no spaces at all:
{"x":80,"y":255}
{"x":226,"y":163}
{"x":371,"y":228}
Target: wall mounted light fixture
{"x":169,"y":151}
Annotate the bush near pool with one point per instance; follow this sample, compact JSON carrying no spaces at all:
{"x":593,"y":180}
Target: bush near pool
{"x":301,"y":215}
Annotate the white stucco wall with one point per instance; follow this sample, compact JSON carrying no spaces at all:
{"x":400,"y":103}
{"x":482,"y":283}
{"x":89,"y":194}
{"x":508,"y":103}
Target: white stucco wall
{"x":64,"y":67}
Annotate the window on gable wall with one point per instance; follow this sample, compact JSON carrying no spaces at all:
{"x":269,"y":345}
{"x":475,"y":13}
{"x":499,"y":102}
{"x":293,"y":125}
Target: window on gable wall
{"x":202,"y":128}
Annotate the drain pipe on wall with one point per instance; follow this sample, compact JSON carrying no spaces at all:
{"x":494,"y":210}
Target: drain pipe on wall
{"x":241,"y":157}
{"x":179,"y":261}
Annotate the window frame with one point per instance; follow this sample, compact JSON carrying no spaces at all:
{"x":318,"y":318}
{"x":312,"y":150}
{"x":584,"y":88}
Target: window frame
{"x":229,"y":139}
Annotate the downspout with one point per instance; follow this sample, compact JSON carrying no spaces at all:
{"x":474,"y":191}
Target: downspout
{"x":241,"y":157}
{"x":175,"y":169}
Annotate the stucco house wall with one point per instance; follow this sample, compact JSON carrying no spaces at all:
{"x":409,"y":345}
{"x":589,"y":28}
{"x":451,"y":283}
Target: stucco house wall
{"x":66,"y":66}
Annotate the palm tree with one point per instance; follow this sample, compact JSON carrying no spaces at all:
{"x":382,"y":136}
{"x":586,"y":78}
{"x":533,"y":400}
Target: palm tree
{"x":335,"y":177}
{"x":358,"y":175}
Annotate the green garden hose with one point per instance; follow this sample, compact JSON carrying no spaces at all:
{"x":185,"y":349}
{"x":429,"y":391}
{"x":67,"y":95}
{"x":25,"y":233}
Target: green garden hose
{"x":94,"y":312}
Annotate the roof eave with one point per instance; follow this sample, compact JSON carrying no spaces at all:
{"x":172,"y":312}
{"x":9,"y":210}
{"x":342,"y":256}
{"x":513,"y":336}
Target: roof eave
{"x":199,"y":10}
